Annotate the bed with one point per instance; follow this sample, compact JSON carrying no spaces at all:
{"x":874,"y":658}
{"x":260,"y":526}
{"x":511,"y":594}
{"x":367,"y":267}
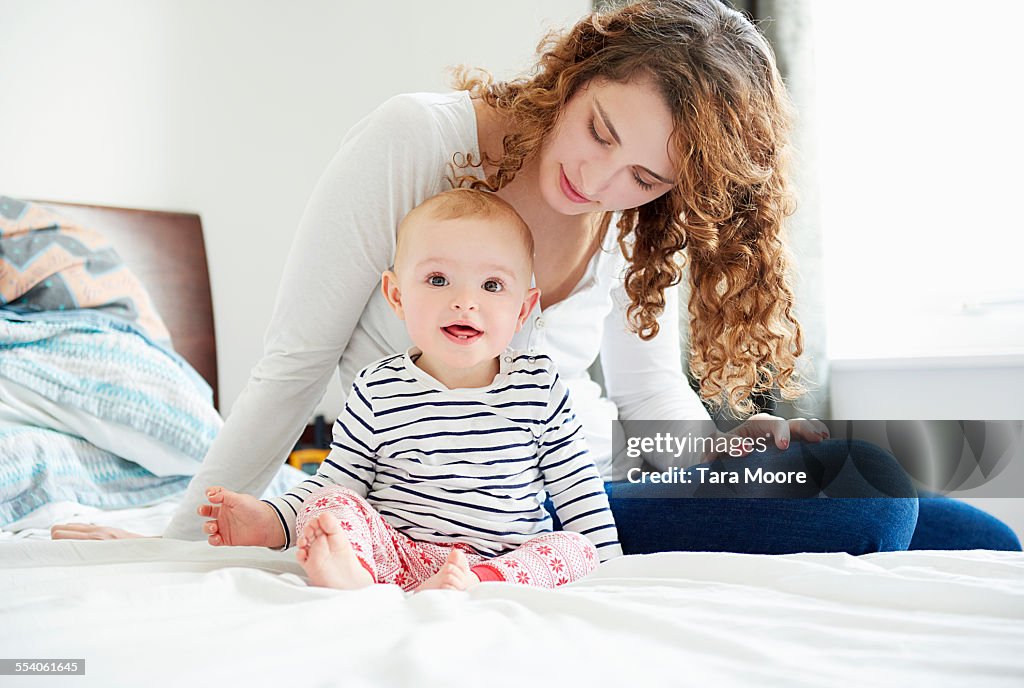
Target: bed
{"x":165,"y":612}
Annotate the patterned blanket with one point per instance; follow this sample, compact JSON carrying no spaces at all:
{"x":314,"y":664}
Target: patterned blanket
{"x":113,"y":375}
{"x":48,"y":263}
{"x":95,"y":407}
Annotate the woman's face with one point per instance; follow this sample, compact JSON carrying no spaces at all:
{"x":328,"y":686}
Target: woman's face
{"x":609,"y":149}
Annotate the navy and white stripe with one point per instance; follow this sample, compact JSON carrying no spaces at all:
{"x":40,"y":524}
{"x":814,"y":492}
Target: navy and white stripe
{"x":464,"y":465}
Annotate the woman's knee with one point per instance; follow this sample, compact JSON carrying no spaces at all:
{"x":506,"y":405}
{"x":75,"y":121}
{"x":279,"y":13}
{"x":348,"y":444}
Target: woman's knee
{"x":859,"y":469}
{"x":879,"y":524}
{"x":874,"y":494}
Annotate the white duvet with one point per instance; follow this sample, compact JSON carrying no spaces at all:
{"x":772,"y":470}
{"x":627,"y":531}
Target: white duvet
{"x":171,"y":613}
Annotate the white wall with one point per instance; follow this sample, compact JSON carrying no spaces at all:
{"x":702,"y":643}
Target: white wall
{"x":227,"y":108}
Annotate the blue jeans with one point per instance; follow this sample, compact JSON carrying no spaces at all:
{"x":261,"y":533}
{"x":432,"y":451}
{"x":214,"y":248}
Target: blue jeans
{"x":691,"y":518}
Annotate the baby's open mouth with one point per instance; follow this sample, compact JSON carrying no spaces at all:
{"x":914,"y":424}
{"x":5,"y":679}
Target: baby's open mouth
{"x":462,"y":333}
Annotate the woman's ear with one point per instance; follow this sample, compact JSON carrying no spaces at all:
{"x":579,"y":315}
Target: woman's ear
{"x":389,"y":285}
{"x":531,"y":299}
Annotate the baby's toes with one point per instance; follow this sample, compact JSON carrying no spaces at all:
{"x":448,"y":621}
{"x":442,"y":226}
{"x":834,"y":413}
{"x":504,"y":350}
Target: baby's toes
{"x":451,"y":579}
{"x":308,"y":534}
{"x":328,"y":523}
{"x":317,"y":550}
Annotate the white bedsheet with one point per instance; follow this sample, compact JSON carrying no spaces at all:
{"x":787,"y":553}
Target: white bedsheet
{"x":170,"y":613}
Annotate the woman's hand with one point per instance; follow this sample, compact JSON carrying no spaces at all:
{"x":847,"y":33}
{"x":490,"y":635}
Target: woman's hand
{"x":88,"y":531}
{"x":240,"y":519}
{"x":781,"y":430}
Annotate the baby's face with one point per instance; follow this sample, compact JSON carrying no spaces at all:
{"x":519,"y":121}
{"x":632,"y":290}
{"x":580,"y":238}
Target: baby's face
{"x":464,"y":288}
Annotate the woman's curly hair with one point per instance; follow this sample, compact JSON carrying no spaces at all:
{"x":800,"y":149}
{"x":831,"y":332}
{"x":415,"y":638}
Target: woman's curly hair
{"x":732,"y":116}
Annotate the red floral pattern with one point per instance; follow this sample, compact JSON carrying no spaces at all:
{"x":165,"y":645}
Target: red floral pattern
{"x":547,"y":561}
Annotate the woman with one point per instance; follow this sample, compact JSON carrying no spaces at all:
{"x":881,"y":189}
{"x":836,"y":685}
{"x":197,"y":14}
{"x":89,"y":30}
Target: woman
{"x":669,"y":115}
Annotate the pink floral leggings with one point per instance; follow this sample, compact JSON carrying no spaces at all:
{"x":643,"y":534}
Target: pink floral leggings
{"x":546,"y":561}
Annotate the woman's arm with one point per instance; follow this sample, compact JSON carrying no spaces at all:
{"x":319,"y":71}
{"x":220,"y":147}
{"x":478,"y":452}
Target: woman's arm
{"x":388,"y":163}
{"x":646,"y":381}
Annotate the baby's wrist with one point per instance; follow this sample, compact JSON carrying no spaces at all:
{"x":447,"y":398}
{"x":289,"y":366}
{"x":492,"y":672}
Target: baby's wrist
{"x":276,"y":535}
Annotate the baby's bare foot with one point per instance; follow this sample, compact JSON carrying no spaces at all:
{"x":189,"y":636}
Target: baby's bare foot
{"x":328,"y":558}
{"x":454,"y":575}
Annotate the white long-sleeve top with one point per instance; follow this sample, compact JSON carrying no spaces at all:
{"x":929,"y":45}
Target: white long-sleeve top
{"x":331,"y":315}
{"x":464,"y":465}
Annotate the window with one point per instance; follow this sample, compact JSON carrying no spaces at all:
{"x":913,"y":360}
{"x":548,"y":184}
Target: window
{"x":921,"y":162}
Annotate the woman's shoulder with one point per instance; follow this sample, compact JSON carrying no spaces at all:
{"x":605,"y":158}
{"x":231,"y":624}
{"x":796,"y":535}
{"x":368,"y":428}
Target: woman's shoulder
{"x":413,"y":136}
{"x":451,"y":113}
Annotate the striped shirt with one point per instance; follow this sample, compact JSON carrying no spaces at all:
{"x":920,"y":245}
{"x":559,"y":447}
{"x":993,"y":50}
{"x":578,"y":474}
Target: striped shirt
{"x":468,"y":465}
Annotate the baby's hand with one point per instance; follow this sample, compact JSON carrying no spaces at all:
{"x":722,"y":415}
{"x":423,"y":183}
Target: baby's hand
{"x":240,"y":519}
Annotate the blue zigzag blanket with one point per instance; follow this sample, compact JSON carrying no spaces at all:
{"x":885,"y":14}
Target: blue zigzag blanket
{"x":110,"y":371}
{"x":118,"y":380}
{"x":95,"y":407}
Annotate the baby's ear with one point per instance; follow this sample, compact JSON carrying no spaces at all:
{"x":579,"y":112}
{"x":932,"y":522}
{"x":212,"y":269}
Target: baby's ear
{"x":529,"y":301}
{"x":389,"y":285}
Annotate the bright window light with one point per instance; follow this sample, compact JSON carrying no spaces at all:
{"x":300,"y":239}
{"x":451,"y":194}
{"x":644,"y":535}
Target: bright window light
{"x":921,"y":169}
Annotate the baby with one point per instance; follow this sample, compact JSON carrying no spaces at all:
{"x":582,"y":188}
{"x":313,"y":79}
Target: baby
{"x":441,"y":455}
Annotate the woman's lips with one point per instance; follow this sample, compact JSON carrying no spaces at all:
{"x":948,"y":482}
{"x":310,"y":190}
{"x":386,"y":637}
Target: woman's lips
{"x":569,"y":190}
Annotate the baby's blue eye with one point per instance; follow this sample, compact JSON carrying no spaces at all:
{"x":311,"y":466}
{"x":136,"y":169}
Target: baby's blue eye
{"x":493,"y":286}
{"x":437,"y":281}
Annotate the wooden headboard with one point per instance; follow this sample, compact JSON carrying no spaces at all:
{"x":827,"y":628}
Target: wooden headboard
{"x":166,"y":252}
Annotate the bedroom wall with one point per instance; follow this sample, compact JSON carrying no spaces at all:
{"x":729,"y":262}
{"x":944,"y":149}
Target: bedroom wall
{"x":227,"y":108}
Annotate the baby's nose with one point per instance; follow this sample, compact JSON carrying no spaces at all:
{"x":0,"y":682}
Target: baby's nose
{"x":464,"y":302}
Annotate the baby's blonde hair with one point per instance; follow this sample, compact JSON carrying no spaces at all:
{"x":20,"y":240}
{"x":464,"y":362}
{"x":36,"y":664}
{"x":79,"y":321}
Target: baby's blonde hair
{"x":469,"y":203}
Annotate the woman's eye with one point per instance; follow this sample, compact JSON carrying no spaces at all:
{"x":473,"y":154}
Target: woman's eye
{"x":593,"y":132}
{"x":643,"y":185}
{"x":493,"y":286}
{"x":437,"y":281}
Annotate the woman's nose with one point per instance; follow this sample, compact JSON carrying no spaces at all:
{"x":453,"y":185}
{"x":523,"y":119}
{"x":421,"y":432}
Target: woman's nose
{"x":593,"y":179}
